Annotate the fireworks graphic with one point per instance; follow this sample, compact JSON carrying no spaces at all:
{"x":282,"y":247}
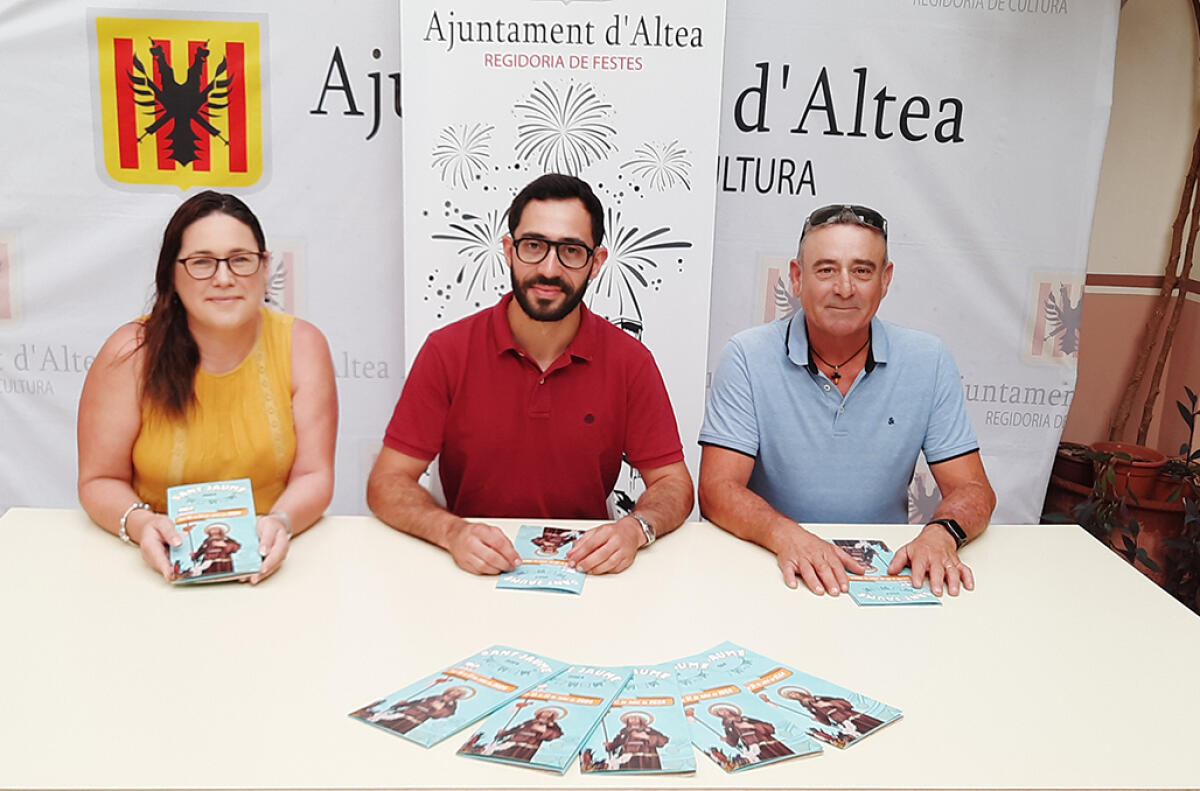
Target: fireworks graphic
{"x":566,"y":132}
{"x":662,"y":165}
{"x":480,"y":247}
{"x":631,"y":259}
{"x":462,"y":153}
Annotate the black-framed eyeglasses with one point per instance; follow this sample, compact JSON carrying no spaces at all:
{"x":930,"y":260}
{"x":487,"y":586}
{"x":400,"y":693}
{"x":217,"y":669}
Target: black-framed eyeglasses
{"x":203,"y":267}
{"x":845,"y":213}
{"x":572,"y":255}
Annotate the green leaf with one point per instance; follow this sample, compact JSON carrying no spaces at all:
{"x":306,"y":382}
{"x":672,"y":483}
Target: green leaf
{"x":1145,"y":560}
{"x":1188,"y":416}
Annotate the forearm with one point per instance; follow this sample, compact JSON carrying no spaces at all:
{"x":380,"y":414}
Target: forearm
{"x":305,"y":499}
{"x":402,"y":503}
{"x":970,"y":505}
{"x":666,"y":504}
{"x":737,"y":510}
{"x":106,"y":500}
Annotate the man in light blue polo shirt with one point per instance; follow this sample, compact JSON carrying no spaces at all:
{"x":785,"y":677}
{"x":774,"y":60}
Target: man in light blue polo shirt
{"x":820,"y":417}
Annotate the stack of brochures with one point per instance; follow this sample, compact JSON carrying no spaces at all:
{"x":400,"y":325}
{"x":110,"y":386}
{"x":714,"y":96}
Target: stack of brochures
{"x":739,"y":708}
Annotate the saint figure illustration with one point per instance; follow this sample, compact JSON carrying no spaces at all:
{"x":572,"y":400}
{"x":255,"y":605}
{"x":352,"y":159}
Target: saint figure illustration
{"x":216,"y":551}
{"x":636,"y":744}
{"x":404,"y":715}
{"x":754,"y":737}
{"x":521,"y":742}
{"x":836,"y":712}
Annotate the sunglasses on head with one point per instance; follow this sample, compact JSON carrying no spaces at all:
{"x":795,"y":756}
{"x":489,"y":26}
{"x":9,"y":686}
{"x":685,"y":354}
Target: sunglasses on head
{"x":845,"y":213}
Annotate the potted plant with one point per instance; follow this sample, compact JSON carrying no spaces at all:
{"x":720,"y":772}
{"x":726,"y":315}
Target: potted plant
{"x":1135,"y":467}
{"x":1156,"y":532}
{"x":1180,"y":475}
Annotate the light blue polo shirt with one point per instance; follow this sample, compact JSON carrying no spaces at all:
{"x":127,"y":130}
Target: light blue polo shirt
{"x":822,"y":457}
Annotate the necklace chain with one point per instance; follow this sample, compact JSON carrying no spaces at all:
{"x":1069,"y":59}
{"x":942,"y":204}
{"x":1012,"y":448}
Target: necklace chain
{"x":836,"y":376}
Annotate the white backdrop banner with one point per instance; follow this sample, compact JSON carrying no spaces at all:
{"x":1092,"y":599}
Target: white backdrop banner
{"x":310,"y":139}
{"x":977,"y":128}
{"x":624,"y":94}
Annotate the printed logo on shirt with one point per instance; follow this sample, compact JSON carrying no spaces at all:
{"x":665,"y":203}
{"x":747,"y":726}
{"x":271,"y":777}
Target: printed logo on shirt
{"x":180,"y":100}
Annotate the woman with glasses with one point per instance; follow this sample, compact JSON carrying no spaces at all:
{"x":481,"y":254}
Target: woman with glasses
{"x":211,"y":385}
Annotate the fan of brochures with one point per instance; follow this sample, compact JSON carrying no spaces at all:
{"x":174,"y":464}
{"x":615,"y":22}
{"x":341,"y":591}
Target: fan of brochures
{"x":739,"y":708}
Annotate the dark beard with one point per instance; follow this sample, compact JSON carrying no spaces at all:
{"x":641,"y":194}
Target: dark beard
{"x":571,"y":300}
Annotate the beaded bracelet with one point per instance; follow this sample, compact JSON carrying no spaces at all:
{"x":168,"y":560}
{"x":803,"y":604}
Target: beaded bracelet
{"x":123,"y":534}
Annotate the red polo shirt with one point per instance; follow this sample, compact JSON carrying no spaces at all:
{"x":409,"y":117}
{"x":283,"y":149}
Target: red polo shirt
{"x":518,"y":442}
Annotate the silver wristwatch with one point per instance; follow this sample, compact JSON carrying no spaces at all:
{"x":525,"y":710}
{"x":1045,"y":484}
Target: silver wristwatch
{"x":647,"y":528}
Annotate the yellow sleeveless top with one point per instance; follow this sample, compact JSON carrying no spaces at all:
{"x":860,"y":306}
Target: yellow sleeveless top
{"x":240,"y":426}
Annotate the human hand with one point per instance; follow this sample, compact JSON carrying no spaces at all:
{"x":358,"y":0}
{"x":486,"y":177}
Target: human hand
{"x":607,"y":548}
{"x":934,"y":553}
{"x":821,"y":565}
{"x":157,"y":533}
{"x":273,"y":544}
{"x":481,"y":548}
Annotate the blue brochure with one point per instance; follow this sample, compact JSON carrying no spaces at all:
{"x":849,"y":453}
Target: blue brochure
{"x":731,"y":724}
{"x":543,"y":552}
{"x":546,"y":727}
{"x":220,"y":535}
{"x":444,"y":703}
{"x":834,"y":715}
{"x":876,"y":587}
{"x":644,"y":730}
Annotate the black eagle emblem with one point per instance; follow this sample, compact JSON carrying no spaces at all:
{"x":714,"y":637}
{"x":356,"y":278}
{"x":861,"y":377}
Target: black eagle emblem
{"x":1064,"y":318}
{"x":186,"y":105}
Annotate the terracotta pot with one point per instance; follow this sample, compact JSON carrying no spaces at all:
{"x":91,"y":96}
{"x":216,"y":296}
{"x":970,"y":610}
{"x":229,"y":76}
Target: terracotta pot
{"x":1062,"y":495}
{"x":1070,"y":467}
{"x":1165,"y":488}
{"x":1138,"y":474}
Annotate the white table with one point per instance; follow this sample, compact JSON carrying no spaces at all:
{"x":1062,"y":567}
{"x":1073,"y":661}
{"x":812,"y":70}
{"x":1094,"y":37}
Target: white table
{"x":1064,"y":669}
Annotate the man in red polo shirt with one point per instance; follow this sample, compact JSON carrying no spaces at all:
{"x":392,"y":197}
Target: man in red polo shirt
{"x":530,"y":406}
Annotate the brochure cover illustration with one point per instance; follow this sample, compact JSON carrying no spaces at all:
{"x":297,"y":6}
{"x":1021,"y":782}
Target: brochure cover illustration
{"x":832,"y":714}
{"x":546,"y":727}
{"x":729,"y":723}
{"x":644,"y":730}
{"x":220,"y":536}
{"x":543,"y":552}
{"x":444,"y":703}
{"x":876,"y":587}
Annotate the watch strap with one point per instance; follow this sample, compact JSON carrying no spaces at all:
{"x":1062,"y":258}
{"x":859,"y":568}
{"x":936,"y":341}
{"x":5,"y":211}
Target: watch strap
{"x":954,"y":529}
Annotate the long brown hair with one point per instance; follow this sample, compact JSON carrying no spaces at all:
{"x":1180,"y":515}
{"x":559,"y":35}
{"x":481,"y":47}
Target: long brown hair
{"x":169,"y":373}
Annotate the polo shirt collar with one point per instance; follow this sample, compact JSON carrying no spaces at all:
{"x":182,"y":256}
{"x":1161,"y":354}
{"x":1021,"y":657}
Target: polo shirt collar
{"x":800,"y":353}
{"x":582,"y":346}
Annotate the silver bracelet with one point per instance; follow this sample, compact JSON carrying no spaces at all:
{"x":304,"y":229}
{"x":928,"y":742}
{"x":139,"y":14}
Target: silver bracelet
{"x":123,"y":534}
{"x":283,"y":517}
